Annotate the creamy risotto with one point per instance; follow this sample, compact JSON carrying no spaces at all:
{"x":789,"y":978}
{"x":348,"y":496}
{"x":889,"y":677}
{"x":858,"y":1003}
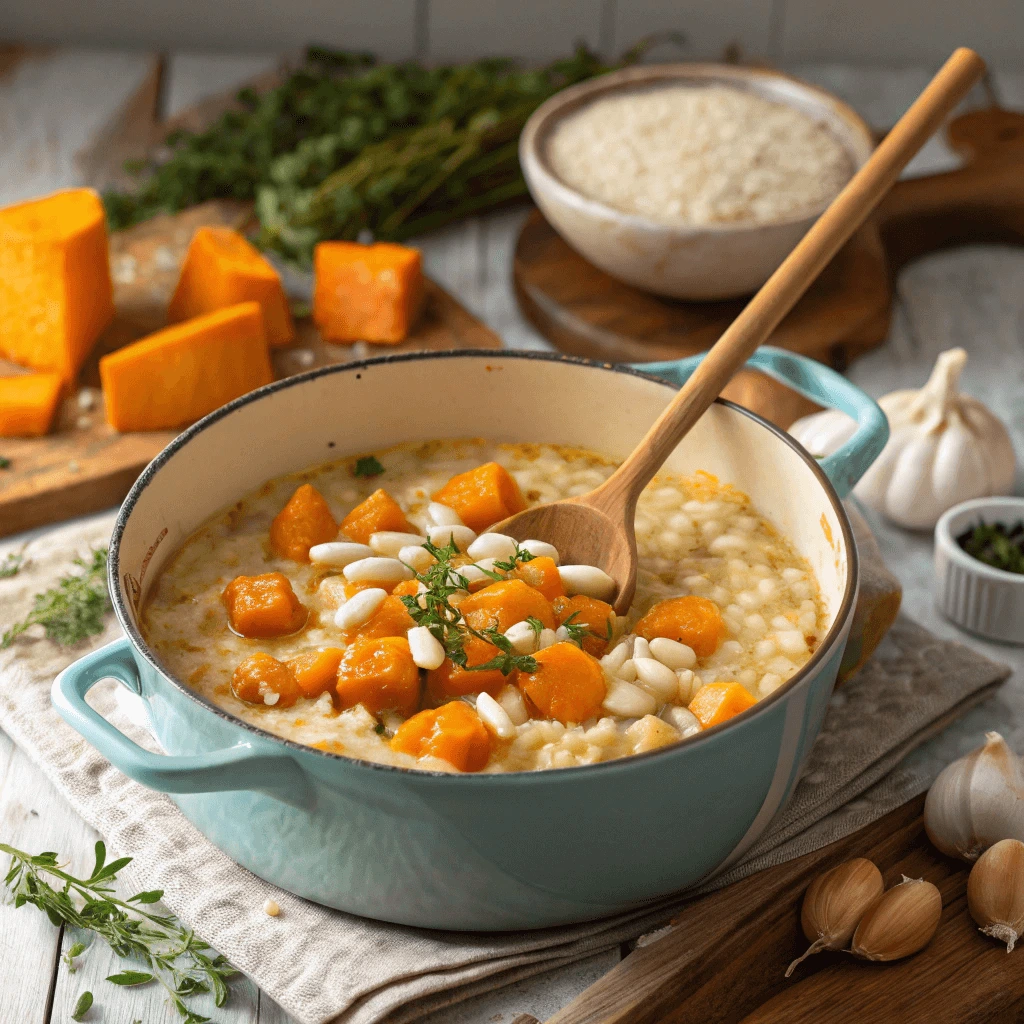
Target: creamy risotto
{"x":361,"y":608}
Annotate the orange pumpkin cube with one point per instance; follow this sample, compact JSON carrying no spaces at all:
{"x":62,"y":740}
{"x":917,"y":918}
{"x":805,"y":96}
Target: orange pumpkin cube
{"x":28,"y":403}
{"x":482,"y":496}
{"x":56,"y":295}
{"x":316,"y":672}
{"x":452,"y":732}
{"x":176,"y":376}
{"x":568,"y":684}
{"x":378,"y":512}
{"x":366,"y":292}
{"x":541,"y":573}
{"x":263,"y":606}
{"x":222,"y":268}
{"x":391,"y":618}
{"x":505,"y":603}
{"x":596,"y":615}
{"x":262,"y":679}
{"x":303,"y":523}
{"x":451,"y":680}
{"x":715,"y":703}
{"x":379,"y":674}
{"x":694,"y":621}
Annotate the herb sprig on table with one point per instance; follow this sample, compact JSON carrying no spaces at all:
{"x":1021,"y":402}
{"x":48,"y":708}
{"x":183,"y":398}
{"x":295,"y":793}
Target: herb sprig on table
{"x":997,"y":545}
{"x":175,"y":956}
{"x":72,"y":610}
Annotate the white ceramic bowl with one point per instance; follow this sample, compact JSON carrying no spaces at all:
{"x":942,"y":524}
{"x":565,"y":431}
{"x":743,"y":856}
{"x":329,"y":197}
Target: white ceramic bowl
{"x":976,"y":596}
{"x":683,"y":262}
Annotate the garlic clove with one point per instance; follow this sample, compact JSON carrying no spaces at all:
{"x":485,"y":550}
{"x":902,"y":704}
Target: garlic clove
{"x":977,"y":801}
{"x":995,"y":892}
{"x":835,"y":902}
{"x":901,"y":923}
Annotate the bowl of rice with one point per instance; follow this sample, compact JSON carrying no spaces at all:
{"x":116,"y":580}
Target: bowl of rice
{"x":692,"y":181}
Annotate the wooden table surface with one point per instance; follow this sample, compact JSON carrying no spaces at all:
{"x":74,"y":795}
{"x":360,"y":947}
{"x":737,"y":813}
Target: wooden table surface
{"x":55,"y":104}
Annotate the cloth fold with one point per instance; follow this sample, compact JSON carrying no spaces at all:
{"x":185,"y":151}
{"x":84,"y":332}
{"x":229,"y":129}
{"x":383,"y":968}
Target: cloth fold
{"x":324,"y":965}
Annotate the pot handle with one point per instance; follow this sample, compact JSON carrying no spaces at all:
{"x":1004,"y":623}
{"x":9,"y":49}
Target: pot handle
{"x":240,"y":767}
{"x":820,"y":384}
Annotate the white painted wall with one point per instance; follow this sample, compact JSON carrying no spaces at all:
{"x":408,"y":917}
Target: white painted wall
{"x":890,"y":32}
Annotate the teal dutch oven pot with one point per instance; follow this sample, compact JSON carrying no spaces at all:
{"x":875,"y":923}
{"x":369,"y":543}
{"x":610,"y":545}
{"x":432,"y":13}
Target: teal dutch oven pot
{"x":483,"y":851}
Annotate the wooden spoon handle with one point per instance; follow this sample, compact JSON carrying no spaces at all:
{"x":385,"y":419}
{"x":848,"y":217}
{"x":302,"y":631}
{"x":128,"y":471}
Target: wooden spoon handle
{"x":782,"y":290}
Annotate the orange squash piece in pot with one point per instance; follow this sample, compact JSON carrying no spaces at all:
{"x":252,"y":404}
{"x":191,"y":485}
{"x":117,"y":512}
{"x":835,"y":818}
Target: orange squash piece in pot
{"x":715,"y":703}
{"x":391,"y":618}
{"x":541,"y":573}
{"x":596,"y":615}
{"x":379,"y":674}
{"x":378,"y":512}
{"x":482,"y":496}
{"x":263,"y":606}
{"x":407,"y":588}
{"x":694,"y":621}
{"x":260,"y":677}
{"x":451,"y":680}
{"x":304,"y":522}
{"x":568,"y":684}
{"x":505,"y":603}
{"x":28,"y":403}
{"x":452,"y":732}
{"x":316,"y":672}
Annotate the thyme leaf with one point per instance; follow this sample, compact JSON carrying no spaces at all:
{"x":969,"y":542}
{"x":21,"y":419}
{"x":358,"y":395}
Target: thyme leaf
{"x":82,"y":1006}
{"x":536,"y":625}
{"x":368,"y":466}
{"x":4,"y":463}
{"x":507,"y":660}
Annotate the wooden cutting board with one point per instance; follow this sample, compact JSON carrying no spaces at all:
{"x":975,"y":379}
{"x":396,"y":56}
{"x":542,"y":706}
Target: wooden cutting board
{"x":84,"y":465}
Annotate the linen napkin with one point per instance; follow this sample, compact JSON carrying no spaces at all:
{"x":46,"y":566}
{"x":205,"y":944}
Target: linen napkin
{"x":323,"y":965}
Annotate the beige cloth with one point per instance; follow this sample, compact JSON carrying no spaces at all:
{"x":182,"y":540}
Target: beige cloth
{"x":320,"y":964}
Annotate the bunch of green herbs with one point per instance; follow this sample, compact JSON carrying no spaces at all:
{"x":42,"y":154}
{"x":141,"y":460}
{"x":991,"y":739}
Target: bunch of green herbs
{"x":997,"y":545}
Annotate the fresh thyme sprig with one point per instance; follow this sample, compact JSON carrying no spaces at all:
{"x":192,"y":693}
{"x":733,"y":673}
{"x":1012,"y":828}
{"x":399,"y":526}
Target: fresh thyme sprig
{"x":579,"y":631}
{"x":503,"y":568}
{"x":507,"y":660}
{"x":177,"y":958}
{"x":72,"y":610}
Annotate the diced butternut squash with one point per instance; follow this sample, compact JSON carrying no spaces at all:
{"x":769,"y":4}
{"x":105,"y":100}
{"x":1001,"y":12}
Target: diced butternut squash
{"x":568,"y":684}
{"x":694,"y":621}
{"x":391,"y":618}
{"x":56,"y":295}
{"x":176,"y":376}
{"x":482,"y":496}
{"x":28,"y":403}
{"x":366,"y":292}
{"x":316,"y":672}
{"x":222,"y":269}
{"x":304,"y":522}
{"x":541,"y":573}
{"x":377,"y":513}
{"x":450,"y":680}
{"x":505,"y":603}
{"x":715,"y":703}
{"x":407,"y":588}
{"x":262,"y":679}
{"x":379,"y":674}
{"x":452,"y":732}
{"x":597,"y":616}
{"x":263,"y":606}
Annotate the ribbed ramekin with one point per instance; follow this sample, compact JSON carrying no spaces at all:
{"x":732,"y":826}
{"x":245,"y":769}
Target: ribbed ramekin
{"x":976,"y":596}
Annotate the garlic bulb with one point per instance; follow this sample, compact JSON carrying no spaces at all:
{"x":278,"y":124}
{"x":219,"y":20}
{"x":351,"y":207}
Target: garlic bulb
{"x":977,"y":800}
{"x":835,"y":902}
{"x":995,"y":892}
{"x":944,"y":447}
{"x":902,"y":922}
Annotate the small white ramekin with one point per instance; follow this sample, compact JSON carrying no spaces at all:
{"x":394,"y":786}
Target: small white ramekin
{"x":976,"y":596}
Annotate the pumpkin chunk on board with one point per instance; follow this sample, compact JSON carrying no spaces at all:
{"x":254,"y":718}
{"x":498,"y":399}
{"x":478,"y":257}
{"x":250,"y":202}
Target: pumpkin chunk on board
{"x":28,"y":403}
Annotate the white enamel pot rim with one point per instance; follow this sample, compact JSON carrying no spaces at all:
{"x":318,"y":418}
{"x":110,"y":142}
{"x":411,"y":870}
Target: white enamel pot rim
{"x":824,"y":650}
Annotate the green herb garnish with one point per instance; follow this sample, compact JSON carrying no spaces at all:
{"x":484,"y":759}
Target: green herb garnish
{"x":996,"y":545}
{"x":536,"y":625}
{"x":5,"y":463}
{"x":82,"y":1006}
{"x":520,"y":556}
{"x":367,"y":466}
{"x":578,"y":631}
{"x":72,"y":610}
{"x":177,"y":958}
{"x":11,"y":564}
{"x":69,"y":957}
{"x":507,"y":660}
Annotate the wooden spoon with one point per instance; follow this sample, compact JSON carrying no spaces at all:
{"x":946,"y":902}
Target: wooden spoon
{"x":597,"y":528}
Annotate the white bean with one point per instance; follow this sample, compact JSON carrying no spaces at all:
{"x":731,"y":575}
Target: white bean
{"x":627,"y":670}
{"x":368,"y":570}
{"x":493,"y":714}
{"x":615,"y":658}
{"x":418,"y":557}
{"x":685,"y":722}
{"x":641,"y":648}
{"x":628,"y":701}
{"x":338,"y":553}
{"x":790,"y":642}
{"x":391,"y":542}
{"x":672,"y":653}
{"x":541,"y":549}
{"x":515,"y":707}
{"x":475,"y":573}
{"x":427,"y":650}
{"x":548,"y":638}
{"x":688,"y":685}
{"x":359,"y":607}
{"x":491,"y":545}
{"x":441,"y":535}
{"x":656,"y":678}
{"x":522,"y":638}
{"x":561,"y":635}
{"x":442,"y":515}
{"x":587,"y":580}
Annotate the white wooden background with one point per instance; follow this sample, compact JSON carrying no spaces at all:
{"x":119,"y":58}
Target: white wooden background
{"x":52,"y":106}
